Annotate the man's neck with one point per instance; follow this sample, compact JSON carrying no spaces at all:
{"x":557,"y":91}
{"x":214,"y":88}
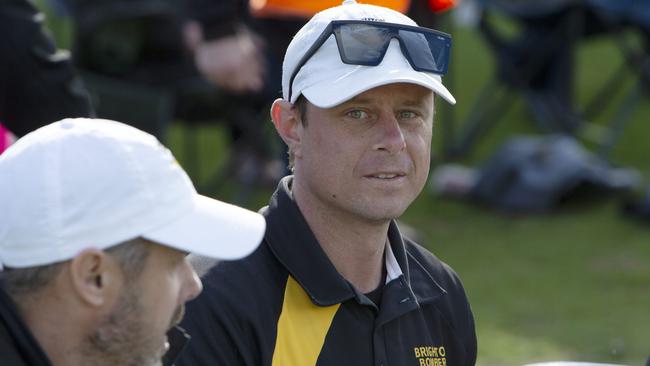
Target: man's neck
{"x":52,"y":331}
{"x":355,"y":246}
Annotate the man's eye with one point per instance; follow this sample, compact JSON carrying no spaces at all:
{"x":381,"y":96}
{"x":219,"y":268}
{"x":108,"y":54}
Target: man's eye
{"x":407,"y":114}
{"x":357,"y":114}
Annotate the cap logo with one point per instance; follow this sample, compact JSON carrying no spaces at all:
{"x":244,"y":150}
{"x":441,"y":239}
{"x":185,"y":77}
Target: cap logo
{"x":373,"y":19}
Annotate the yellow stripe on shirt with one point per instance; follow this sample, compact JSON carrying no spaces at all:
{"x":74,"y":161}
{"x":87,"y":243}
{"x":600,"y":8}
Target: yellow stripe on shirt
{"x":302,"y":328}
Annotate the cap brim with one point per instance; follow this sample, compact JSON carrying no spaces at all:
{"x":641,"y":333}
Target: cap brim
{"x":214,"y":229}
{"x":330,"y":93}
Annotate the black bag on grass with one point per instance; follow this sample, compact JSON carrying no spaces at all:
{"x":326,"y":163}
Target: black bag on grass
{"x":537,"y":174}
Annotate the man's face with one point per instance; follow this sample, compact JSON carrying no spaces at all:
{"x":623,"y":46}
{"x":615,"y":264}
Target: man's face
{"x":134,"y":333}
{"x":367,"y":158}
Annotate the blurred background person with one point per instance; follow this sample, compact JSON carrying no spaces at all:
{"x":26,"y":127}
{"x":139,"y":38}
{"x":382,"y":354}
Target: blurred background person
{"x":38,"y":83}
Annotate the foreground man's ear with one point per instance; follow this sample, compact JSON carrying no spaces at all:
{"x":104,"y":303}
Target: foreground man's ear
{"x":93,"y":274}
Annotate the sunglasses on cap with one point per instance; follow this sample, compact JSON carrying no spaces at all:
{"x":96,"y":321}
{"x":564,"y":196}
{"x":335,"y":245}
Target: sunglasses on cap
{"x":365,"y":43}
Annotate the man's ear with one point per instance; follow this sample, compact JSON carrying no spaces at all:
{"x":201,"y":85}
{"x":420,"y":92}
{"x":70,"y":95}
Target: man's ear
{"x":286,"y":120}
{"x":94,"y":277}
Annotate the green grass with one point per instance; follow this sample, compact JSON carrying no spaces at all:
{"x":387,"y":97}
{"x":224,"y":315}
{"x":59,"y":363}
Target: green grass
{"x":572,"y":285}
{"x":567,"y":286}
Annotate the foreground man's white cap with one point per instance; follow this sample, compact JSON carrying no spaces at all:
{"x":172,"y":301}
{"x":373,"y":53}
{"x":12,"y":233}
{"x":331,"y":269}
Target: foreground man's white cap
{"x":327,"y":82}
{"x":91,"y":183}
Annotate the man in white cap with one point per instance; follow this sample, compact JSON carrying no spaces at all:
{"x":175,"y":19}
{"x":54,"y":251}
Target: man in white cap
{"x":335,"y":282}
{"x":96,"y":220}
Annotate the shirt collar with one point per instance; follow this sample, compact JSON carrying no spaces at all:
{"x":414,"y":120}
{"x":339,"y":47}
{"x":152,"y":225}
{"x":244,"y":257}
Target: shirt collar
{"x":295,"y":246}
{"x":393,"y":270}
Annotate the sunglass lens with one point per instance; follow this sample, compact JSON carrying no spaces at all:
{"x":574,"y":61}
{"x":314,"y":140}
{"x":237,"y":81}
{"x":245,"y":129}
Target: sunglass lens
{"x":428,"y":52}
{"x":363,"y":44}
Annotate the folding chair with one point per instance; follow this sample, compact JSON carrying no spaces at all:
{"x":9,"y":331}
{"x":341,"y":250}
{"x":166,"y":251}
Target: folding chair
{"x":622,"y":16}
{"x":536,"y":64}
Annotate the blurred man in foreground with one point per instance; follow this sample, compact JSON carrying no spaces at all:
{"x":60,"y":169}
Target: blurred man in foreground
{"x":97,"y":220}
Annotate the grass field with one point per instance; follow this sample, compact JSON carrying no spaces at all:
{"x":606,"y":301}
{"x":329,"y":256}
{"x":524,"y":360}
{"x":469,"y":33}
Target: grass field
{"x":572,"y":285}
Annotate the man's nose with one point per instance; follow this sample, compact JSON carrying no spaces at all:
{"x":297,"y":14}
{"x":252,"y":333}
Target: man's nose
{"x":391,"y":138}
{"x":192,"y":285}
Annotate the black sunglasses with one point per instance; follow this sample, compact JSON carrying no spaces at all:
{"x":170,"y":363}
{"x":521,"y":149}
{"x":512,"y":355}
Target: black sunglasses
{"x":362,"y":42}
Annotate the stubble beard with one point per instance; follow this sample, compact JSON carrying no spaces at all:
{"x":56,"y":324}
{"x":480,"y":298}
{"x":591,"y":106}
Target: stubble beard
{"x":122,"y":339}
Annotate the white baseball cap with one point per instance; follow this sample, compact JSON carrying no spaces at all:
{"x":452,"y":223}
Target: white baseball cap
{"x":93,"y":183}
{"x":326,"y":81}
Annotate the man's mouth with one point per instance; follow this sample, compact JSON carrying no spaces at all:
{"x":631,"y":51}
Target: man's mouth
{"x":386,"y":176}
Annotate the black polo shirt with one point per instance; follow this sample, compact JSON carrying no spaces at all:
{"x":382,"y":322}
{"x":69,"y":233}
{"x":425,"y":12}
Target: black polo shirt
{"x":18,"y":347}
{"x":287,"y":305}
